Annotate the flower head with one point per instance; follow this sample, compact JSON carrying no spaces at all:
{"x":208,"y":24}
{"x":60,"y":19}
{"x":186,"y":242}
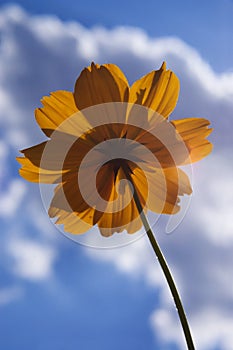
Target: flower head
{"x":108,"y":139}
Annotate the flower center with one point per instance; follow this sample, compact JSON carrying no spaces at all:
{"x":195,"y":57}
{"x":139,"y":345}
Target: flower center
{"x":116,"y":164}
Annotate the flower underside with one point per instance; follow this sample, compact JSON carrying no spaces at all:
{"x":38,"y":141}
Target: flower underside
{"x":106,"y":140}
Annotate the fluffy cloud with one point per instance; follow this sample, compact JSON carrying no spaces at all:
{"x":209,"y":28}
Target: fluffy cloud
{"x":10,"y":200}
{"x":42,"y":54}
{"x":32,"y":260}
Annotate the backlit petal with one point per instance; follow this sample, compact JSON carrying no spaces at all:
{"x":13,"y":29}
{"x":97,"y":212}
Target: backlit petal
{"x":75,"y":223}
{"x":158,"y":90}
{"x":123,"y":214}
{"x":62,"y":154}
{"x":164,"y":188}
{"x":100,"y":84}
{"x":194,"y":131}
{"x":57,"y":107}
{"x":32,"y":173}
{"x":69,"y":206}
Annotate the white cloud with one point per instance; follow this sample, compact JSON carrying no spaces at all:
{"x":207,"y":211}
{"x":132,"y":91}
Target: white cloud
{"x":42,"y":54}
{"x":162,"y":317}
{"x":215,"y":195}
{"x":4,"y":151}
{"x":32,"y":260}
{"x":12,"y":198}
{"x":137,"y":259}
{"x":216,"y":328}
{"x":218,"y":332}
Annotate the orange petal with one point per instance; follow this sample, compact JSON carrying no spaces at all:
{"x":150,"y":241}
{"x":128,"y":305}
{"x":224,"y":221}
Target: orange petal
{"x":32,"y":173}
{"x":164,"y":186}
{"x":158,"y":90}
{"x":121,"y":212}
{"x":63,"y":153}
{"x":158,"y":144}
{"x":75,"y":223}
{"x":58,"y":106}
{"x":194,"y":131}
{"x":72,"y":209}
{"x":59,"y":112}
{"x":100,"y":84}
{"x":70,"y":197}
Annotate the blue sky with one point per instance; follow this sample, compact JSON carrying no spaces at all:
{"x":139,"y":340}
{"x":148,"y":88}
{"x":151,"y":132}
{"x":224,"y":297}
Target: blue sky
{"x":56,"y":294}
{"x":206,"y":25}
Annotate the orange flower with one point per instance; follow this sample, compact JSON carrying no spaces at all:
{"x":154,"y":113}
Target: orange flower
{"x":107,"y":134}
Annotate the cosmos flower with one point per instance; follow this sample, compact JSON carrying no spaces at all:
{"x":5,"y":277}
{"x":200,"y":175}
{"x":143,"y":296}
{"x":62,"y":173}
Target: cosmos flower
{"x":108,"y":139}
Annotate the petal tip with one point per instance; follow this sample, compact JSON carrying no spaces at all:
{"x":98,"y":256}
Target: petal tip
{"x":163,"y":66}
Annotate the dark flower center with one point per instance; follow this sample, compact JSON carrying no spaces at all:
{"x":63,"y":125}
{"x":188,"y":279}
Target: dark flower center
{"x":116,"y":164}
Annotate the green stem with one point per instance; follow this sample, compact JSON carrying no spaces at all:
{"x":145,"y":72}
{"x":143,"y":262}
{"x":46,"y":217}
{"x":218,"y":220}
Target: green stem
{"x":164,"y":267}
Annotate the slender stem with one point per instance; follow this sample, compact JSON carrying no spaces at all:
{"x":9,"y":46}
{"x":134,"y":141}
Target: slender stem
{"x":164,"y":267}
